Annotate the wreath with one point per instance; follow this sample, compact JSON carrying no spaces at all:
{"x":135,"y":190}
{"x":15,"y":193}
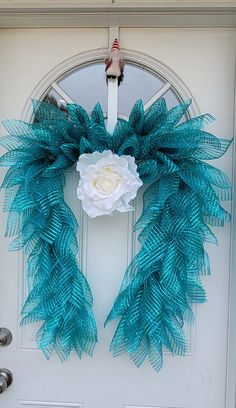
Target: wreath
{"x":181,"y":199}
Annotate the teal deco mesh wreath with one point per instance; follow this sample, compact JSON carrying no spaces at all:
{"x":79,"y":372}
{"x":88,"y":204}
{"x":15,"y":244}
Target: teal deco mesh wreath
{"x":181,"y":199}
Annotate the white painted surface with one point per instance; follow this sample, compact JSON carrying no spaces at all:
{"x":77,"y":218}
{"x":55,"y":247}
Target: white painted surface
{"x":112,"y":104}
{"x":204,"y":60}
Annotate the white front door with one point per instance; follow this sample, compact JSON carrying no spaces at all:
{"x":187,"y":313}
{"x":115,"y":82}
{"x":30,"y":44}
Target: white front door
{"x":203,"y":60}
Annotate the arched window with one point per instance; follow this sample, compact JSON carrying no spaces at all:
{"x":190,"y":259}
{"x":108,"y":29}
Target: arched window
{"x":86,"y":86}
{"x":81,"y":80}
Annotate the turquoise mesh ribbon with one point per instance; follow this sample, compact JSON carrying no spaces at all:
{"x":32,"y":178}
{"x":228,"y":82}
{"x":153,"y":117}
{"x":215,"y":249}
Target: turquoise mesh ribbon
{"x":181,"y":199}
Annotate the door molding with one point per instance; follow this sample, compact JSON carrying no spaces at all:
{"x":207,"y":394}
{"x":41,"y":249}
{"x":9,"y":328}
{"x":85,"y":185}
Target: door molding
{"x":230,"y":397}
{"x":157,"y":13}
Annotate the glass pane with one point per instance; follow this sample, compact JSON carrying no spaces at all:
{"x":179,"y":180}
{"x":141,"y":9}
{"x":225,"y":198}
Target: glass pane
{"x":87,"y":86}
{"x":138,"y":84}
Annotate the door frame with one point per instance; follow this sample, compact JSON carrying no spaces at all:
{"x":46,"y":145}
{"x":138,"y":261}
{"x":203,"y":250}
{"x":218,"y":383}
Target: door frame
{"x":183,"y":14}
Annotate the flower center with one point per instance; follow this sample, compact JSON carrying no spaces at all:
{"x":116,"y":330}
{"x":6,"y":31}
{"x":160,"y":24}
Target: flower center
{"x":107,"y":185}
{"x":107,"y":180}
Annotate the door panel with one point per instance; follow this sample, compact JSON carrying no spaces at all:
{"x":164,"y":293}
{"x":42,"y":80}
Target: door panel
{"x":204,"y":60}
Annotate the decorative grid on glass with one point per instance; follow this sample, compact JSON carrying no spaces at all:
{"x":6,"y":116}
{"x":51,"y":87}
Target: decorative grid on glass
{"x":87,"y":85}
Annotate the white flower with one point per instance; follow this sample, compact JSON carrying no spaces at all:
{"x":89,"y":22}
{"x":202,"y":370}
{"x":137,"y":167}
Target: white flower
{"x":107,"y":182}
